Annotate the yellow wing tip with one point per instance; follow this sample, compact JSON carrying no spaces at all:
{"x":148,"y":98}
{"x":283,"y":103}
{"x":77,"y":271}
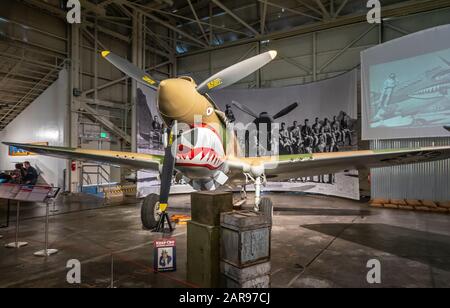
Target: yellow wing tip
{"x":105,"y":53}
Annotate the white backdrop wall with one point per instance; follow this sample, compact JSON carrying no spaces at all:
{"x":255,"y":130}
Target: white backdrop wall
{"x":43,"y":121}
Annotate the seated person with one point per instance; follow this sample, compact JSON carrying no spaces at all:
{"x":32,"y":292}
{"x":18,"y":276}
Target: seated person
{"x":18,"y":174}
{"x":285,"y":142}
{"x":31,"y":175}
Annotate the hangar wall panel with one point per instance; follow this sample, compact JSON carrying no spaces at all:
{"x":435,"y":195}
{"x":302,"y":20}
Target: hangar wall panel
{"x":43,"y":121}
{"x":425,"y":181}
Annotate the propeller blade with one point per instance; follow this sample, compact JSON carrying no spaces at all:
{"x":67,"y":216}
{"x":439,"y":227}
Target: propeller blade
{"x":131,"y":70}
{"x":447,"y":128}
{"x":245,"y":109}
{"x":236,"y":72}
{"x":285,"y":111}
{"x":167,"y":169}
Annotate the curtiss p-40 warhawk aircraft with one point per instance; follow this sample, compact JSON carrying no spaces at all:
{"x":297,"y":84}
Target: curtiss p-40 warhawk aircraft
{"x":206,"y":152}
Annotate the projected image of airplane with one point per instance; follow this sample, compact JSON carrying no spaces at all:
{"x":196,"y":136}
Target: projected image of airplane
{"x":422,"y":101}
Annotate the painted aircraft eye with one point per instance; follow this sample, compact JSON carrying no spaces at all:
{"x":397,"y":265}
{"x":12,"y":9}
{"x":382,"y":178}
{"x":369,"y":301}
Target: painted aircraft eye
{"x":209,"y":111}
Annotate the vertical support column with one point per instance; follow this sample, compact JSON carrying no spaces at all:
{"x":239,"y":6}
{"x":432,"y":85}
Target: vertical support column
{"x":380,"y":33}
{"x":173,"y":56}
{"x":258,"y":72}
{"x":73,"y":177}
{"x":137,"y":59}
{"x":211,"y":30}
{"x":314,"y":43}
{"x":211,"y":38}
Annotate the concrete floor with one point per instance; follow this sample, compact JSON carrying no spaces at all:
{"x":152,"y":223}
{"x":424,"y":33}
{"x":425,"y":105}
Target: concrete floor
{"x":316,"y":242}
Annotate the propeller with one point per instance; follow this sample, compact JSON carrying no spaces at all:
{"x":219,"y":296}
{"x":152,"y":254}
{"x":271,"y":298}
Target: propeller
{"x":265,"y":117}
{"x":245,"y":109}
{"x":237,"y":72}
{"x":221,"y":80}
{"x":131,"y":70}
{"x":285,"y":111}
{"x":447,"y":127}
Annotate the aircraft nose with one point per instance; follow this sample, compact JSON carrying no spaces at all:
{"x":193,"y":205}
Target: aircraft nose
{"x":176,"y":98}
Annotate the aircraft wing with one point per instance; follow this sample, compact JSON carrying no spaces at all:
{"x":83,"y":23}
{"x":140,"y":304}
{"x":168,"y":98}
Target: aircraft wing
{"x":123,"y":159}
{"x":293,"y":166}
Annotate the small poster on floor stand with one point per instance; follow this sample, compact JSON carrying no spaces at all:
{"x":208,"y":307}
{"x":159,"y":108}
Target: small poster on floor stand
{"x":164,"y":255}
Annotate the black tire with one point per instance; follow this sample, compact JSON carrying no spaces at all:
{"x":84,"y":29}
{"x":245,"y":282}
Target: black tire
{"x":266,"y":207}
{"x":149,"y":209}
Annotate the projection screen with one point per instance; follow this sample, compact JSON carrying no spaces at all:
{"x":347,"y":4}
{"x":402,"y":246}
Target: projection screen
{"x":406,"y":86}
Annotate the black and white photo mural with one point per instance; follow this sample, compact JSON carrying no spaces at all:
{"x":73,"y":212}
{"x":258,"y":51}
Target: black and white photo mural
{"x":313,"y":118}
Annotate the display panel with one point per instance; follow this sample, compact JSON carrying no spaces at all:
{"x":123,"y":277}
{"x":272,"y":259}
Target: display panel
{"x":406,"y":86}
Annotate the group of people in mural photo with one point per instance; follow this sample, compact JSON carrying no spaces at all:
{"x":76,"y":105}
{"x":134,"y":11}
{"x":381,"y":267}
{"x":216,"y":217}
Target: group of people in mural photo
{"x":322,"y":136}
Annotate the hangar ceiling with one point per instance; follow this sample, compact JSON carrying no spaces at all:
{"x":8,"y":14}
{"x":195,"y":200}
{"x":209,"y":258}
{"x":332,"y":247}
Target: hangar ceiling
{"x":31,"y":55}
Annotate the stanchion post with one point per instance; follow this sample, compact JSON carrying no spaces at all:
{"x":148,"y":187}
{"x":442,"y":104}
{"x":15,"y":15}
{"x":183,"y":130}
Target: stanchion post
{"x":46,"y":252}
{"x":17,"y":244}
{"x":54,"y":210}
{"x":112,"y":272}
{"x":7,"y":215}
{"x":8,"y":212}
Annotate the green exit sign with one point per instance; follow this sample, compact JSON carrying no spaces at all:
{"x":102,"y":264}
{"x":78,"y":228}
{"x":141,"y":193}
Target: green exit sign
{"x":104,"y":135}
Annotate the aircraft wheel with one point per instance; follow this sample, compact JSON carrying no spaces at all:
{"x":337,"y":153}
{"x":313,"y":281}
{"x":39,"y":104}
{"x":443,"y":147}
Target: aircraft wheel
{"x":150,"y":212}
{"x":266,"y":207}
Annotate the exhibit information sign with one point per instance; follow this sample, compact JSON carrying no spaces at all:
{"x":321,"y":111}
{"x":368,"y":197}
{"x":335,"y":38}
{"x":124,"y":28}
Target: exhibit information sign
{"x":9,"y":191}
{"x":24,"y":193}
{"x":164,"y":255}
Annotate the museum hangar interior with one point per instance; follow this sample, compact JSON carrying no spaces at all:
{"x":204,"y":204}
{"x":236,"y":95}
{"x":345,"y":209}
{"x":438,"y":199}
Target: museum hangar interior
{"x":233,"y":144}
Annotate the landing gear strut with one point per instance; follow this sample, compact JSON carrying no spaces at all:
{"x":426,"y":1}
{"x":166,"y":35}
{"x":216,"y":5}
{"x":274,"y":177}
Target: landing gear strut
{"x":262,"y":205}
{"x":258,"y":184}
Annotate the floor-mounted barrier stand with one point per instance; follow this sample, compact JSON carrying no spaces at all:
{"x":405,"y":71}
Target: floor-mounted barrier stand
{"x":6,"y":225}
{"x":46,"y":252}
{"x":8,"y":210}
{"x":16,"y":243}
{"x":26,"y":193}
